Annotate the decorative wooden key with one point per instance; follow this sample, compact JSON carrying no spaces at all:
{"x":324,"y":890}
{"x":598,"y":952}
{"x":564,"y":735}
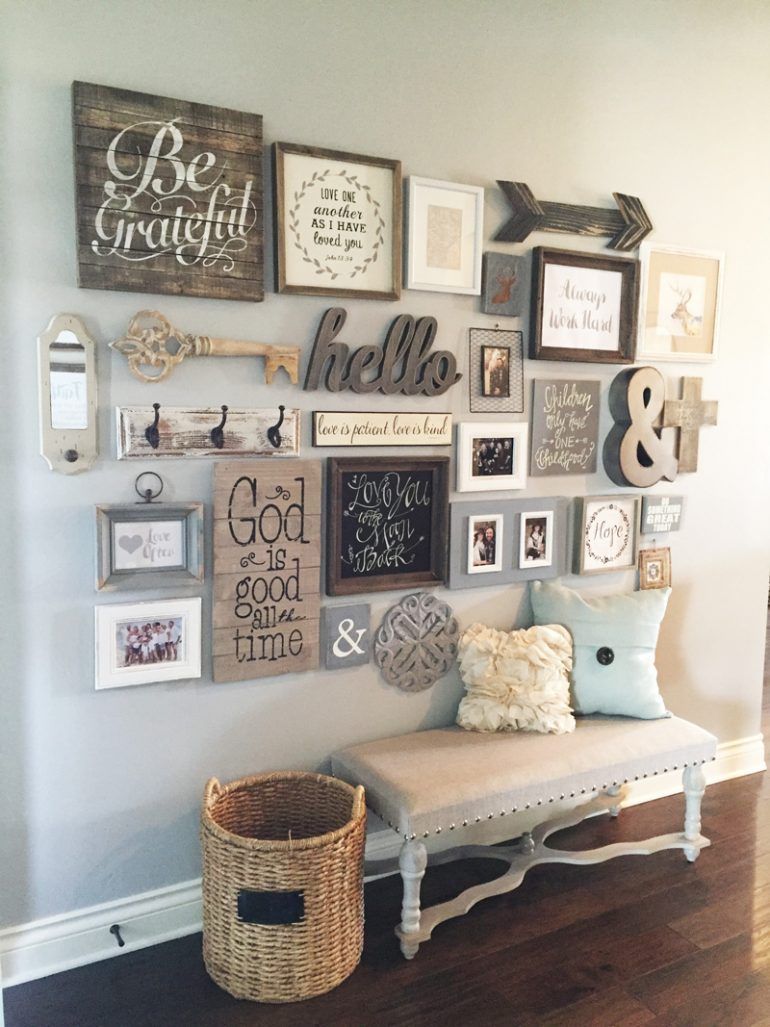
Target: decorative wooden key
{"x":144,"y":344}
{"x":689,"y":414}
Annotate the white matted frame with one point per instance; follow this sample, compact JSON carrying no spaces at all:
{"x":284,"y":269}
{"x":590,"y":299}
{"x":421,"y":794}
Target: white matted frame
{"x":491,"y":455}
{"x":536,"y":540}
{"x":479,"y":551}
{"x":444,"y":240}
{"x":131,"y":651}
{"x":679,"y":303}
{"x":607,"y":533}
{"x":149,"y":545}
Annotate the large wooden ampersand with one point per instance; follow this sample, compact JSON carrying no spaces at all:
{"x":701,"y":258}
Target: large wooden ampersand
{"x":633,"y":451}
{"x":404,"y":364}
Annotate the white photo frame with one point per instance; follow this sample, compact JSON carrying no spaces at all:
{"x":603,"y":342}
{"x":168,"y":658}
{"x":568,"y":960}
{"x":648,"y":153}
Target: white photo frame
{"x":536,"y":539}
{"x":444,"y":236}
{"x":485,"y":543}
{"x":679,"y":303}
{"x":134,"y":648}
{"x":491,"y":455}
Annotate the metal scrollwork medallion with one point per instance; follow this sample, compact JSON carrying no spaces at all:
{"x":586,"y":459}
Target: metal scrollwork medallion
{"x":417,"y":642}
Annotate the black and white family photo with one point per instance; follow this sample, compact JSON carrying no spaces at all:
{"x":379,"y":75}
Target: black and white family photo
{"x":495,"y":371}
{"x":536,"y":539}
{"x":492,"y":457}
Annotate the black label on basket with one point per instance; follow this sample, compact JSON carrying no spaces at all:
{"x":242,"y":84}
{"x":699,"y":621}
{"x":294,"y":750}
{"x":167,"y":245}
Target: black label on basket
{"x":271,"y":907}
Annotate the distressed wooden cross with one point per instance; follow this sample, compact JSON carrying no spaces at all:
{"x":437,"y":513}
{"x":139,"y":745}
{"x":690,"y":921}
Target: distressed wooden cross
{"x":689,"y":414}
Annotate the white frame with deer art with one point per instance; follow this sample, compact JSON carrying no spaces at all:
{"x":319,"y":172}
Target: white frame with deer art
{"x":691,"y":331}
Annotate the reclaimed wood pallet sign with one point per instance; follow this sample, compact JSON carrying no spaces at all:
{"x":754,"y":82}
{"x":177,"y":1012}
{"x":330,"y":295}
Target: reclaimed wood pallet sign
{"x":158,"y":431}
{"x":169,"y":195}
{"x":627,"y":225}
{"x":403,"y":364}
{"x":267,"y":555}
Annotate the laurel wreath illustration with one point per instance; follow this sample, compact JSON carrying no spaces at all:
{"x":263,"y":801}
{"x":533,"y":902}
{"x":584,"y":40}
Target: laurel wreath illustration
{"x":626,"y":523}
{"x":323,"y":268}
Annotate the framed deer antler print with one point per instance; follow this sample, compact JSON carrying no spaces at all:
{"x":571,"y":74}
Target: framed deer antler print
{"x":679,"y":304}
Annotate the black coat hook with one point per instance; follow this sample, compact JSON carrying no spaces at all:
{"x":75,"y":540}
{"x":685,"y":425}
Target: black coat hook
{"x":218,"y":433}
{"x":273,"y":433}
{"x":115,"y":929}
{"x":151,"y":432}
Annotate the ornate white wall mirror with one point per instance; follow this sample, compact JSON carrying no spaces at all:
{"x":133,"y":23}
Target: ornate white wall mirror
{"x":67,"y":373}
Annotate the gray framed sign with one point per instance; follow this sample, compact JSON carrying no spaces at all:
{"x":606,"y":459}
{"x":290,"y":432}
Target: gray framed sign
{"x":346,"y":635}
{"x":565,"y":426}
{"x":511,"y":520}
{"x":502,"y":285}
{"x":661,"y":514}
{"x":149,"y":545}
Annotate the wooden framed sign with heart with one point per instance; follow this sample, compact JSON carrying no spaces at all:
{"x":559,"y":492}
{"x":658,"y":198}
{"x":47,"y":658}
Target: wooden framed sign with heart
{"x":149,"y":545}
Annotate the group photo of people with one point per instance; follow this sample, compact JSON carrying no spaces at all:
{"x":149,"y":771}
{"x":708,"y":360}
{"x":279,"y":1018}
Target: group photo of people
{"x":492,"y":457}
{"x":485,"y":544}
{"x":153,"y":642}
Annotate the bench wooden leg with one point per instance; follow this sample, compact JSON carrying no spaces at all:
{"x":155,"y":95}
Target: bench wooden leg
{"x":694,"y":787}
{"x":613,"y":790}
{"x":412,"y":861}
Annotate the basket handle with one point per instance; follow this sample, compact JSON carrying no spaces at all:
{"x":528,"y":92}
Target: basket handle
{"x":211,"y":792}
{"x":359,"y":802}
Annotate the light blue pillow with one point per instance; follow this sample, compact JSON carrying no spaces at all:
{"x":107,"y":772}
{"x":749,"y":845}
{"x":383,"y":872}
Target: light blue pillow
{"x":614,"y":640}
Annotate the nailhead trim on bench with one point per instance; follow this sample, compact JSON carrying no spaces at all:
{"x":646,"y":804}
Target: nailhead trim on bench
{"x":514,"y":809}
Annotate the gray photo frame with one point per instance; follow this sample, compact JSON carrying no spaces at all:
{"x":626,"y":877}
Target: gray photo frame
{"x":481,"y":339}
{"x":139,"y":558}
{"x":511,"y":510}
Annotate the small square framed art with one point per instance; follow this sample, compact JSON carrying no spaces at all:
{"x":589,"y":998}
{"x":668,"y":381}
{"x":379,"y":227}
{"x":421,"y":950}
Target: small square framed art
{"x":654,"y":568}
{"x":141,"y":643}
{"x":491,"y":456}
{"x":445,"y":228}
{"x":607,"y":533}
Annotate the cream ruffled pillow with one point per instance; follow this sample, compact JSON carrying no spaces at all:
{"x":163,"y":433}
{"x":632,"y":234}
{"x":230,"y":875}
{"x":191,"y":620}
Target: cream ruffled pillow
{"x":516,"y":680}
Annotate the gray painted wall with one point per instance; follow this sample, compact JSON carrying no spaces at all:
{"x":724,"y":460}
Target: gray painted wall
{"x":101,"y":790}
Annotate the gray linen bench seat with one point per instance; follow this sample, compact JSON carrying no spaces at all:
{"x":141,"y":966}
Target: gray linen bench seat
{"x":428,"y":782}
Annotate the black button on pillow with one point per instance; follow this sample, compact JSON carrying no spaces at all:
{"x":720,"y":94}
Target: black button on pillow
{"x":605,"y":655}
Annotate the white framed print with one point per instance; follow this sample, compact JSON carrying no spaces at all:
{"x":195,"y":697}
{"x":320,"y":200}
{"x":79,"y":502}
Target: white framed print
{"x":607,"y":535}
{"x":535,"y":538}
{"x":445,"y":228}
{"x":679,"y":303}
{"x":485,"y":543}
{"x":491,"y":455}
{"x":141,"y":643}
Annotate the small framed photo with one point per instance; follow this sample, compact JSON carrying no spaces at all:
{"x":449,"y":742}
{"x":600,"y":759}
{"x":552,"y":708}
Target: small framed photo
{"x":535,"y":538}
{"x":140,"y":643}
{"x":338,"y":223}
{"x":654,"y":568}
{"x":502,"y":285}
{"x":679,"y":304}
{"x":583,"y":306}
{"x":485,"y":543}
{"x":149,"y":545}
{"x":495,"y":370}
{"x":491,"y":456}
{"x":445,"y":227}
{"x":607,"y":535}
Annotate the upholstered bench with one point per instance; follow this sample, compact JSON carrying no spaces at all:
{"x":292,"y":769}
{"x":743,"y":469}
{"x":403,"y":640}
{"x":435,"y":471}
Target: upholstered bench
{"x":428,"y":782}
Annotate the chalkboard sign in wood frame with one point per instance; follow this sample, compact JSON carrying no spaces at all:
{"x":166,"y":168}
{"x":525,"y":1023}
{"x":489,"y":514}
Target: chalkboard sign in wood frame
{"x":359,"y":488}
{"x":582,"y":299}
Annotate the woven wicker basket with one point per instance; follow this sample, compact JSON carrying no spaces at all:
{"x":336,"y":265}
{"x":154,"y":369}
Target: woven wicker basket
{"x":298,"y":835}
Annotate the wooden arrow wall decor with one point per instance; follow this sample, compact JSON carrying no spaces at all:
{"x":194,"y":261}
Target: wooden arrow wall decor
{"x":627,"y":225}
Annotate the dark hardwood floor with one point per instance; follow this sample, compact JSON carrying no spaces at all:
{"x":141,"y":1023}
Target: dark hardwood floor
{"x":640,"y":940}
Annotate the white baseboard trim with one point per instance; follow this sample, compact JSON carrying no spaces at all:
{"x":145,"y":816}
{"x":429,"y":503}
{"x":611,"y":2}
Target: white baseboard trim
{"x":63,"y":942}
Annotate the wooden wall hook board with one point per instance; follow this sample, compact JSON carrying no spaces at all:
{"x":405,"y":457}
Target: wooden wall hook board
{"x":148,"y":332}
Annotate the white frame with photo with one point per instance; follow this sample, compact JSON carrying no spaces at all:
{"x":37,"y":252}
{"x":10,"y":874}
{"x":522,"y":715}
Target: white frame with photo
{"x":536,"y":515}
{"x":427,"y":193}
{"x":648,"y":335}
{"x":474,"y":520}
{"x":628,"y":509}
{"x":468,"y":431}
{"x":188,"y":571}
{"x":107,"y":619}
